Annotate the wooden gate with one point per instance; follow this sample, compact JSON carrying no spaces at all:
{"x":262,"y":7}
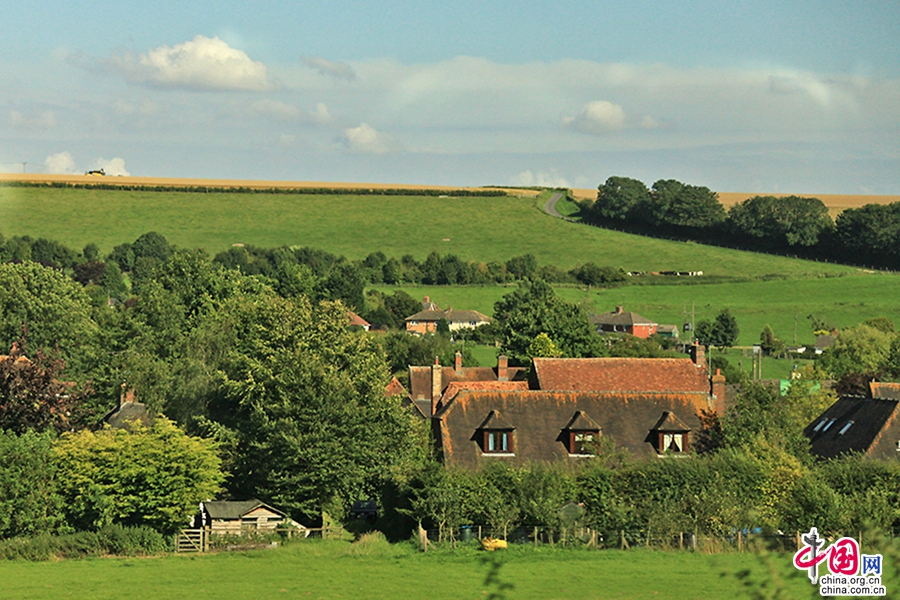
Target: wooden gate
{"x":192,"y":540}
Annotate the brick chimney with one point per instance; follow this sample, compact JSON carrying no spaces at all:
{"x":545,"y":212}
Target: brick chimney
{"x":698,"y":354}
{"x":436,"y":384}
{"x":502,"y":368}
{"x":718,"y":392}
{"x":620,"y":310}
{"x":457,"y":362}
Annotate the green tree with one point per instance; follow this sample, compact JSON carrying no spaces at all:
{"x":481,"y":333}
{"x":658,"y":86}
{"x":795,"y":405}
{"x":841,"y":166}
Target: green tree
{"x":152,"y":476}
{"x":788,"y":221}
{"x":51,"y":312}
{"x":618,"y":199}
{"x":721,"y":332}
{"x":301,"y":408}
{"x":860,"y":349}
{"x":29,"y":503}
{"x":535,"y":308}
{"x":681,"y":205}
{"x":771,"y":345}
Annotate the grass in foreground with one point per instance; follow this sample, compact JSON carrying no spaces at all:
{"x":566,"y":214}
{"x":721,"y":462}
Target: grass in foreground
{"x":379,"y":570}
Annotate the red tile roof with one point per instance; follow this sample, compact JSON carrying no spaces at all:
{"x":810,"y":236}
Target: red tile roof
{"x":621,"y":375}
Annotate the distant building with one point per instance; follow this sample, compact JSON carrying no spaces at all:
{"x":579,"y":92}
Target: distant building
{"x":426,"y":320}
{"x":620,"y":321}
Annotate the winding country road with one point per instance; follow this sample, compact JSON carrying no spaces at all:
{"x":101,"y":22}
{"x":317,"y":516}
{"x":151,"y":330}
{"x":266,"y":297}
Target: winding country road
{"x":550,"y":207}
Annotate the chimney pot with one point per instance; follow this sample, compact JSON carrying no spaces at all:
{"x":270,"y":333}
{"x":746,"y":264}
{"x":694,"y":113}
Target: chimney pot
{"x":502,"y":368}
{"x":458,"y":362}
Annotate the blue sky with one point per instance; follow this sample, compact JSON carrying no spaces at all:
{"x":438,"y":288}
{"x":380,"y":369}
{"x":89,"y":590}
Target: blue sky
{"x":755,"y":96}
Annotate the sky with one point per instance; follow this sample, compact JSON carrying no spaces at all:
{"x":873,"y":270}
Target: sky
{"x":755,"y":96}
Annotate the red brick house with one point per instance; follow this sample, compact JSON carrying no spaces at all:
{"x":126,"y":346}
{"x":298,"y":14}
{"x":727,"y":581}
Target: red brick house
{"x":620,"y":321}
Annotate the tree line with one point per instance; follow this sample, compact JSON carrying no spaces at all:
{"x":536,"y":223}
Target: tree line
{"x":869,"y":235}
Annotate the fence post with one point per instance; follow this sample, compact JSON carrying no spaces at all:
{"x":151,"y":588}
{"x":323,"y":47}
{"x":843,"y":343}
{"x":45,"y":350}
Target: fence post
{"x":739,"y":541}
{"x":681,"y":540}
{"x":535,"y":536}
{"x":798,"y":540}
{"x":479,"y":532}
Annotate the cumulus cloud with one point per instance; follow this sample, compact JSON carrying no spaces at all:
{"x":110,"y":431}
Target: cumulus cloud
{"x":331,"y":68}
{"x":365,"y":140}
{"x":199,"y":64}
{"x":320,"y":114}
{"x":113,"y":166}
{"x":542,"y":178}
{"x":597,"y":117}
{"x":34,"y":120}
{"x":60,"y":164}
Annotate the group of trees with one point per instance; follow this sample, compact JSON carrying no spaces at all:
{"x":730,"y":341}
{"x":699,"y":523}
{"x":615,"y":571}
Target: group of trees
{"x":869,"y":235}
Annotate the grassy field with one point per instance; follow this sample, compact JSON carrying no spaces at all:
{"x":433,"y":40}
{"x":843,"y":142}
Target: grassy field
{"x":343,"y":570}
{"x":483,"y":229}
{"x":839,"y":301}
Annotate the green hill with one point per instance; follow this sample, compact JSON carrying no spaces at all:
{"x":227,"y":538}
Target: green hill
{"x":482,"y":229}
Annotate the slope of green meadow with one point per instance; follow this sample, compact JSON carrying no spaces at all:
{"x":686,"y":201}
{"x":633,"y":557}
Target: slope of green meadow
{"x":839,"y":301}
{"x":481,"y":229}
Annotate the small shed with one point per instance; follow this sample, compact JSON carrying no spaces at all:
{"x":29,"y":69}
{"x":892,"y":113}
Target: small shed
{"x":235,"y":517}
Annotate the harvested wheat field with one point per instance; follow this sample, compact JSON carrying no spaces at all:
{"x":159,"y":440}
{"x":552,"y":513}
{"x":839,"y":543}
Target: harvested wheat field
{"x":235,"y":183}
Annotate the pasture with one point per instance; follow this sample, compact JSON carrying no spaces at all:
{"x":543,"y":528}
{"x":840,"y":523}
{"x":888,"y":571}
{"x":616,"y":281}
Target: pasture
{"x":342,"y":570}
{"x":478,"y":229}
{"x":780,"y":303}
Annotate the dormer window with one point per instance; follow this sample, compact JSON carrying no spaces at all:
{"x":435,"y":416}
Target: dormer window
{"x":670,"y":436}
{"x":581,"y":435}
{"x":495,"y":435}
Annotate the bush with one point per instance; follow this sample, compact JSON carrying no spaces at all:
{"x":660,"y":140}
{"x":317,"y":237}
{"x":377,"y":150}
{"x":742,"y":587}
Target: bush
{"x":111,"y":540}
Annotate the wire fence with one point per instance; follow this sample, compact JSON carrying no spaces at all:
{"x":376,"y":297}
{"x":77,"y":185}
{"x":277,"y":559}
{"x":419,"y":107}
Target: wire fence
{"x":538,"y":536}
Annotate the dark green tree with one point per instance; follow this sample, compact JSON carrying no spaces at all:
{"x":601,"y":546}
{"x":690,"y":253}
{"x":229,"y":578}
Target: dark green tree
{"x":618,"y":199}
{"x":785,"y":222}
{"x":721,"y":332}
{"x":535,"y":308}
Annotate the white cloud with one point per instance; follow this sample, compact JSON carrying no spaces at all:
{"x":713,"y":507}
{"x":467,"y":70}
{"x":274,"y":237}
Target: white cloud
{"x":542,"y":179}
{"x":597,"y":117}
{"x":365,"y":140}
{"x":320,"y":114}
{"x":125,"y":108}
{"x":60,"y":164}
{"x":200,"y":64}
{"x":114,"y":166}
{"x":277,"y":110}
{"x":331,"y":68}
{"x":34,"y":120}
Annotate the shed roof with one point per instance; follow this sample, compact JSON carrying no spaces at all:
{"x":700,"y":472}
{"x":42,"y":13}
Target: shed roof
{"x":235,"y":509}
{"x":620,"y":318}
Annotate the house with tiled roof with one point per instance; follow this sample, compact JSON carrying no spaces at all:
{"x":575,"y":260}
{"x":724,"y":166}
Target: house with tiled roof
{"x":429,"y":386}
{"x":646,"y":407}
{"x":426,"y":320}
{"x":621,"y":321}
{"x":127,"y":411}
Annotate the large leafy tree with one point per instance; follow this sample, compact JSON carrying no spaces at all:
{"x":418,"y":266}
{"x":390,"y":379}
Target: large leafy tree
{"x":50,"y":311}
{"x":301,"y":406}
{"x":618,"y":199}
{"x":534,"y":308}
{"x":721,"y":331}
{"x":138,"y":476}
{"x":789,"y":221}
{"x":682,"y":205}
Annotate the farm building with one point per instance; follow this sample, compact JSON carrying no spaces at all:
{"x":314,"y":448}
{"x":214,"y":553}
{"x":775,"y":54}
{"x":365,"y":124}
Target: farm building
{"x":859,"y":424}
{"x":235,"y":517}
